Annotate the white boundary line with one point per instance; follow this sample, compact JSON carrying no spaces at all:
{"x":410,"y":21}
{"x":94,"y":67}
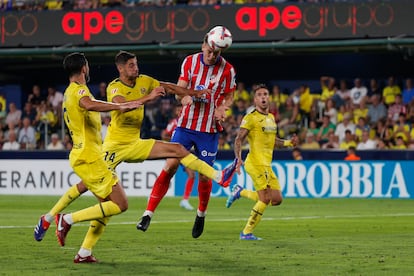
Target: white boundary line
{"x":237,"y":219}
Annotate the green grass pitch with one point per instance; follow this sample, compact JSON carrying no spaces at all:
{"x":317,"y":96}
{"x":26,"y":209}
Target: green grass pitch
{"x":300,"y":237}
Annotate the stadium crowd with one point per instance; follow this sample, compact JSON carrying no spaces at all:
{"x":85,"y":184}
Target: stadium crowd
{"x":337,"y":115}
{"x":36,"y":5}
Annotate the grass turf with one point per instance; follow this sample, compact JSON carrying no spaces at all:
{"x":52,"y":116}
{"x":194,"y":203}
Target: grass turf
{"x":301,"y":237}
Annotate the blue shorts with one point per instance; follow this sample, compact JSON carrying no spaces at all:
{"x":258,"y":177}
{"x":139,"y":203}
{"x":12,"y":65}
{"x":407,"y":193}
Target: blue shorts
{"x":205,"y":144}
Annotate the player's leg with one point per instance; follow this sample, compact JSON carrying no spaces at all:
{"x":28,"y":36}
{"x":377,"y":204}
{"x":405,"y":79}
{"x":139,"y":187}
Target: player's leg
{"x":70,"y":195}
{"x":256,"y":215}
{"x":238,"y":191}
{"x":104,"y":184}
{"x":184,"y":203}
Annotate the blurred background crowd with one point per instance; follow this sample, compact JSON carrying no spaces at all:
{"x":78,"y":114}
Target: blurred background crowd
{"x":338,"y":114}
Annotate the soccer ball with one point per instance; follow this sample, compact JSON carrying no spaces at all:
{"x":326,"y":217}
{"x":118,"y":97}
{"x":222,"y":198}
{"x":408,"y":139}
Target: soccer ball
{"x":219,"y":38}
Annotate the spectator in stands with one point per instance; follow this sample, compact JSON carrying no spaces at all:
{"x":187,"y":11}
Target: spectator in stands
{"x":27,"y":134}
{"x":328,"y":89}
{"x":397,"y":108}
{"x":11,"y":143}
{"x":36,"y":97}
{"x":342,"y":95}
{"x":46,"y":122}
{"x":408,"y":92}
{"x":3,"y":103}
{"x":239,"y":107}
{"x":55,"y":143}
{"x":106,"y":120}
{"x":400,"y":144}
{"x":326,"y":127}
{"x":242,"y":93}
{"x":361,"y":110}
{"x":366,"y":143}
{"x":222,"y":143}
{"x":102,"y":91}
{"x":277,"y":96}
{"x":332,"y":142}
{"x":288,"y":118}
{"x":390,"y":91}
{"x":313,"y":127}
{"x":402,"y":128}
{"x":55,"y":99}
{"x":67,"y":142}
{"x":162,"y":118}
{"x":346,"y":124}
{"x":29,"y":111}
{"x":358,"y":92}
{"x":361,"y":127}
{"x":53,"y":4}
{"x":382,"y":131}
{"x":376,"y":111}
{"x":297,"y":154}
{"x":374,"y":89}
{"x":381,"y":144}
{"x":307,"y":103}
{"x":310,"y":142}
{"x":349,"y":140}
{"x":330,"y":111}
{"x":13,"y":117}
{"x":352,"y":155}
{"x":3,"y":115}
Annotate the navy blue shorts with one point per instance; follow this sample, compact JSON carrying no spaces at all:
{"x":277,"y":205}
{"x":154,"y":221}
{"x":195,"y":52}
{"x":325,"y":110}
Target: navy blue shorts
{"x":205,"y":144}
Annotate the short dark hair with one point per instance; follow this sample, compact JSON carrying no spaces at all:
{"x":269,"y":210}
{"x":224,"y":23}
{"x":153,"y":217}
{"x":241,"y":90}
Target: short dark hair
{"x":74,"y":62}
{"x":260,"y":86}
{"x":123,"y":56}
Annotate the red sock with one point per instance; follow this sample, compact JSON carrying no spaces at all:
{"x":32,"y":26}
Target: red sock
{"x":188,"y":187}
{"x":204,"y":191}
{"x":159,"y":190}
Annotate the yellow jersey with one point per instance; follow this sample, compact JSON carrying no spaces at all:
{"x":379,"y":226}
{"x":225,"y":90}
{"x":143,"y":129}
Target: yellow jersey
{"x":84,"y":126}
{"x":126,"y":127}
{"x":261,"y":137}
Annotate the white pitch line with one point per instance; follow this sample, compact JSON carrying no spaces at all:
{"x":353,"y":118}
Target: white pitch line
{"x":236,"y":219}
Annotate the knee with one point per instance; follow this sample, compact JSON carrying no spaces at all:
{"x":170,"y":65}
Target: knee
{"x":123,"y":205}
{"x":276,"y":201}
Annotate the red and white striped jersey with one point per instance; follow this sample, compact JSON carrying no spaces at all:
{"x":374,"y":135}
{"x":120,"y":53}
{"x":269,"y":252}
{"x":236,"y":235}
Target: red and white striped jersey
{"x":220,"y":78}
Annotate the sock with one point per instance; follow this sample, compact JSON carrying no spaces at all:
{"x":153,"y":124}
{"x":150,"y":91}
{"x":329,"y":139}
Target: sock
{"x":188,"y":187}
{"x":204,"y":191}
{"x":95,"y":231}
{"x":159,"y":190}
{"x":101,"y":210}
{"x":71,"y":194}
{"x":192,"y":162}
{"x":249,"y":194}
{"x":255,"y":217}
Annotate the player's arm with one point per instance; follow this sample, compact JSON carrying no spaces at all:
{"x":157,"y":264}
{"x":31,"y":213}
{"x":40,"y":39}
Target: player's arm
{"x":282,"y":143}
{"x":101,"y":106}
{"x":155,"y":93}
{"x":238,"y":142}
{"x":181,"y":90}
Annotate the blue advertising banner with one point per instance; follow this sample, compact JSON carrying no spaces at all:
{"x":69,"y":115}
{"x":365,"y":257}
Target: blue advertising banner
{"x":328,"y":179}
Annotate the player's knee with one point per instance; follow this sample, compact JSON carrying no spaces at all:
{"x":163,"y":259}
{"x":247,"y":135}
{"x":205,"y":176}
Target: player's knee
{"x":277,"y":201}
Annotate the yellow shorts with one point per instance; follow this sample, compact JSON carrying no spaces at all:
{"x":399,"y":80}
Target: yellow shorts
{"x":138,"y":151}
{"x":263,"y":177}
{"x":96,"y":176}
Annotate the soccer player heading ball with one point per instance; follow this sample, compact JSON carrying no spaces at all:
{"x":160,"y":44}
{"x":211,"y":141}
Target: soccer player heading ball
{"x":200,"y":120}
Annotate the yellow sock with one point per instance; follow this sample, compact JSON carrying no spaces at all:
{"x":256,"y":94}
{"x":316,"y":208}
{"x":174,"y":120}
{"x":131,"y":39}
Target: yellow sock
{"x":101,"y":210}
{"x":249,"y":194}
{"x":192,"y":162}
{"x":65,"y":200}
{"x":255,"y":217}
{"x":95,"y":231}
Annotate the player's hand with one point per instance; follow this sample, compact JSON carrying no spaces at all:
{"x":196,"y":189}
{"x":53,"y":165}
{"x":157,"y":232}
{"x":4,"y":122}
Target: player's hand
{"x":238,"y":165}
{"x":128,"y":106}
{"x":186,"y":100}
{"x":294,"y":140}
{"x":203,"y":94}
{"x":220,"y":113}
{"x":158,"y":91}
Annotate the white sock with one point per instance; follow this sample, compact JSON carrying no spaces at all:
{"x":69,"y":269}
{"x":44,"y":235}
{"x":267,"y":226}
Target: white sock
{"x":201,"y":214}
{"x":68,"y":218}
{"x":148,"y":213}
{"x":49,"y":218}
{"x":83,"y":252}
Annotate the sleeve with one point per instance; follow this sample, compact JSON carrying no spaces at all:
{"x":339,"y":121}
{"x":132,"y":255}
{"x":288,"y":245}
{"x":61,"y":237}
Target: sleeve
{"x":113,"y":90}
{"x":185,"y":70}
{"x":247,"y":122}
{"x":230,"y":81}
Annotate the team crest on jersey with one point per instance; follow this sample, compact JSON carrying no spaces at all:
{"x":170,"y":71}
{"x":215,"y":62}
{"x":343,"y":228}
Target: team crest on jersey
{"x":214,"y":79}
{"x":82,"y":92}
{"x":143,"y":90}
{"x":113,"y":91}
